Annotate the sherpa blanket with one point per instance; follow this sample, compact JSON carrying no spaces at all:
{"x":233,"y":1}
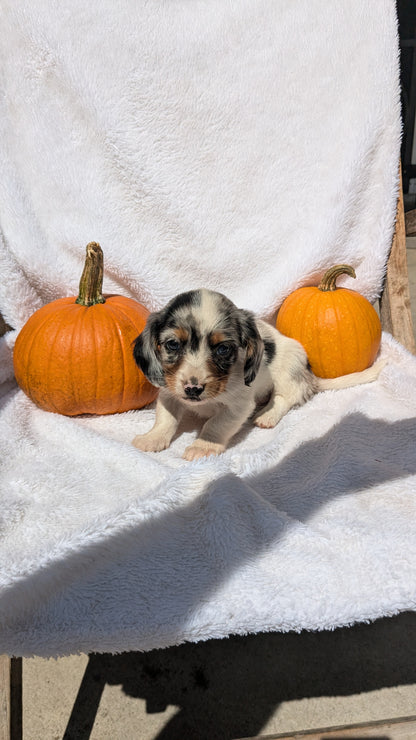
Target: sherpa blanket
{"x":244,"y":147}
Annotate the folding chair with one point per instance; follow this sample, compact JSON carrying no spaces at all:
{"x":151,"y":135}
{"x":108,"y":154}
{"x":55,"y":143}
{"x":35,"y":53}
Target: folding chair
{"x":396,"y":318}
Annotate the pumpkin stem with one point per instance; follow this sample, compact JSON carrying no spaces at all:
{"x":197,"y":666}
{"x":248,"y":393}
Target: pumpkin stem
{"x":328,"y":281}
{"x":91,"y":283}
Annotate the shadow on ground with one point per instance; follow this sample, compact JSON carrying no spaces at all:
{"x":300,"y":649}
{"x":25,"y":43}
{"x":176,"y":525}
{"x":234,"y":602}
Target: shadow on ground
{"x":229,"y":688}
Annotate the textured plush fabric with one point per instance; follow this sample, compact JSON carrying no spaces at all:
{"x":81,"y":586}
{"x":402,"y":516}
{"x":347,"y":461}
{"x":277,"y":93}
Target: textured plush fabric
{"x":243,"y":147}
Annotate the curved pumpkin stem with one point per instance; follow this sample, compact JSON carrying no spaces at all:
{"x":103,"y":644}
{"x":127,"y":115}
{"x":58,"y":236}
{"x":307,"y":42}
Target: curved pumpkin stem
{"x":328,"y":281}
{"x":91,"y":283}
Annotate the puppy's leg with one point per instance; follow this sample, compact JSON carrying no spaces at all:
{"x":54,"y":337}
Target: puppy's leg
{"x":275,"y":409}
{"x":168,"y":416}
{"x":292,"y":386}
{"x":217,"y":431}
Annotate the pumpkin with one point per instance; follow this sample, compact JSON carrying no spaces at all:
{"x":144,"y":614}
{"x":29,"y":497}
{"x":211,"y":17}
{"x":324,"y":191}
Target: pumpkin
{"x":339,"y":328}
{"x":74,"y":355}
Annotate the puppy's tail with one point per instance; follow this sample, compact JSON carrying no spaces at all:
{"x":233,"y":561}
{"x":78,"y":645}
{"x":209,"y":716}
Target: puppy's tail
{"x":346,"y":381}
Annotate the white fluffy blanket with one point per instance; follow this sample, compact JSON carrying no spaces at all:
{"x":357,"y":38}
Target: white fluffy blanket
{"x":243,"y":147}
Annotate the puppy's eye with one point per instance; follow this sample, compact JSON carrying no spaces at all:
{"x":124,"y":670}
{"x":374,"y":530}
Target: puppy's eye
{"x":173,"y":345}
{"x":223,"y":350}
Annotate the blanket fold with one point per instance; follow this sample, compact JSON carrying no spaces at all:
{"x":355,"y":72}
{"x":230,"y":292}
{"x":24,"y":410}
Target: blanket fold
{"x":244,"y":148}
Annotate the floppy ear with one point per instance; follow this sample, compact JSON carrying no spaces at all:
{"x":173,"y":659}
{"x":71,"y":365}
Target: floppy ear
{"x":146,"y":352}
{"x":253,"y":344}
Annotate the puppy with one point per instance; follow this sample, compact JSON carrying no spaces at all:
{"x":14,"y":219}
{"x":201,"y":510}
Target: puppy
{"x":207,"y":355}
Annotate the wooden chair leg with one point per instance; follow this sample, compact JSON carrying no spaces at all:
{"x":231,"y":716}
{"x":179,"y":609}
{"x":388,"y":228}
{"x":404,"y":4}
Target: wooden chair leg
{"x":11,"y":727}
{"x":395,"y":312}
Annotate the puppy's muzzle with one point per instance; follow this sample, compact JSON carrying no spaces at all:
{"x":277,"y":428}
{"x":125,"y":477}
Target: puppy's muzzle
{"x":193,"y":392}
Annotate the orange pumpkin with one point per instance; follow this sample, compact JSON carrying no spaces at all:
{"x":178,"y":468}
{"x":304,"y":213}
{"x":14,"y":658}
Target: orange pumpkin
{"x":74,"y":355}
{"x":339,"y":328}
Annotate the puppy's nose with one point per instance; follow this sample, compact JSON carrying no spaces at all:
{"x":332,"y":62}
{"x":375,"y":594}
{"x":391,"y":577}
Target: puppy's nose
{"x":193,"y":391}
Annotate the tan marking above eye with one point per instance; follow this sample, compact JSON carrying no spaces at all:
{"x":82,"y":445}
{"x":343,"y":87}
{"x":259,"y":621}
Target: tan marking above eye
{"x":181,"y":333}
{"x":217,"y":337}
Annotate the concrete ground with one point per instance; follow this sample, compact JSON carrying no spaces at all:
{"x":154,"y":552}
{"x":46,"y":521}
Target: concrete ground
{"x":227,"y":689}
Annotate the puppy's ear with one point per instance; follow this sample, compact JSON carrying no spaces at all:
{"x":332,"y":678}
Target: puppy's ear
{"x":146,"y":351}
{"x":253,"y":344}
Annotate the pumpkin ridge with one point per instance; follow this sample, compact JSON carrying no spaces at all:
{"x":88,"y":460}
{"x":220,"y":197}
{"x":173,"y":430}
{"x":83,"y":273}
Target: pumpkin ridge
{"x":344,"y":315}
{"x":30,"y":340}
{"x":360,"y":319}
{"x":329,"y":322}
{"x":301,"y":327}
{"x":316,"y":314}
{"x":39,"y":327}
{"x":136,"y":320}
{"x":89,"y":316}
{"x":51,"y":346}
{"x":97,"y":328}
{"x":99,"y":322}
{"x":120,"y":308}
{"x":341,"y":309}
{"x":358,"y":334}
{"x":117,"y":330}
{"x":304,"y":326}
{"x":365,"y":318}
{"x":63,"y":317}
{"x":30,"y":336}
{"x":375,"y":329}
{"x":78,"y":331}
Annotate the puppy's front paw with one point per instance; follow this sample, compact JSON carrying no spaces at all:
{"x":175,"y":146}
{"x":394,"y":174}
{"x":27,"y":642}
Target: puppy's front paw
{"x":267,"y":420}
{"x":201,"y":448}
{"x":151,"y":442}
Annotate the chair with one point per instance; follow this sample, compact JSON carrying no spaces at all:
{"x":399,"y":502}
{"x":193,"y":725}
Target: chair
{"x":396,"y":319}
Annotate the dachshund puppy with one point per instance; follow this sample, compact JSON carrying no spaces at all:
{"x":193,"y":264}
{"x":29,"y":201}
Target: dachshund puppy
{"x":227,"y":366}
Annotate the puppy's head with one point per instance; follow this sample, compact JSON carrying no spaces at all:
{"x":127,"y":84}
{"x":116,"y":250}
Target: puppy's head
{"x":196,"y":342}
